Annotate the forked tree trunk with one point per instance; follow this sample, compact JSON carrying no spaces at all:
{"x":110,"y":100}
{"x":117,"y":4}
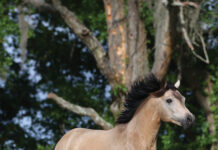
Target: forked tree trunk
{"x":127,"y":41}
{"x":127,"y":44}
{"x":127,"y":56}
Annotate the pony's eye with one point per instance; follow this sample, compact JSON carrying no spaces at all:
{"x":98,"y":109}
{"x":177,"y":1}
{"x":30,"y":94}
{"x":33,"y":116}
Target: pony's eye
{"x":169,"y":101}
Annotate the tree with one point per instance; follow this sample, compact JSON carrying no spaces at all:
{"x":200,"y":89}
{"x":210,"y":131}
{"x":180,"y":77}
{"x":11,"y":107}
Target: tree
{"x":128,"y":55}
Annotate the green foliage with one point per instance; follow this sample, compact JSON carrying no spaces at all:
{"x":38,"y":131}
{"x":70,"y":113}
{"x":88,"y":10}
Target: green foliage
{"x":147,"y":15}
{"x":7,"y":24}
{"x":126,"y":60}
{"x":7,"y":27}
{"x":41,"y":147}
{"x":119,"y":89}
{"x":4,"y":63}
{"x":213,"y":97}
{"x":93,"y":15}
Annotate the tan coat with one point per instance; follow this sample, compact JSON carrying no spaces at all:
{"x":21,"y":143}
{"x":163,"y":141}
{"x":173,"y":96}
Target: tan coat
{"x":138,"y":134}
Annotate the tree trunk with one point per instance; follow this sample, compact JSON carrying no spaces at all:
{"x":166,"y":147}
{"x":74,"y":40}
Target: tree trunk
{"x":204,"y":101}
{"x":165,"y":33}
{"x":117,"y":38}
{"x":191,"y":79}
{"x":137,"y":59}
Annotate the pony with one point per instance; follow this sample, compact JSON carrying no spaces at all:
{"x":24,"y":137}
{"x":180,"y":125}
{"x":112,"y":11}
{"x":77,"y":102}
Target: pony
{"x":147,"y":104}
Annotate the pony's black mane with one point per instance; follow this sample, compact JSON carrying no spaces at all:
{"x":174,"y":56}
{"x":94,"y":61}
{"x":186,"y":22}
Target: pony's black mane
{"x":140,"y":90}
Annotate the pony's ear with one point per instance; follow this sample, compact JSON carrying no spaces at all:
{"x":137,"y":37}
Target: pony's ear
{"x":177,"y":84}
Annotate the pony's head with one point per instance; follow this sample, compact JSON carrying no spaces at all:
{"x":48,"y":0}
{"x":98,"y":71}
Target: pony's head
{"x":168,"y":101}
{"x":171,"y":106}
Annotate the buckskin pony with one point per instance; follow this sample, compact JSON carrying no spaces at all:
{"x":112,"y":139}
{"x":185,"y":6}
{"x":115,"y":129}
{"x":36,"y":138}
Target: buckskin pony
{"x":147,"y":104}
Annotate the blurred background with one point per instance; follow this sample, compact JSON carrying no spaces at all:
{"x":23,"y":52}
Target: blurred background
{"x":87,"y":53}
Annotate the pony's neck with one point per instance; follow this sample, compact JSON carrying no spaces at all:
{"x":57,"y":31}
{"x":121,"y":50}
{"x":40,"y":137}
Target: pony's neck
{"x":142,"y":130}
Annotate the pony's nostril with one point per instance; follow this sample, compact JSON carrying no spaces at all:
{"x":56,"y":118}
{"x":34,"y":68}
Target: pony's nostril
{"x":189,"y":118}
{"x":188,"y":121}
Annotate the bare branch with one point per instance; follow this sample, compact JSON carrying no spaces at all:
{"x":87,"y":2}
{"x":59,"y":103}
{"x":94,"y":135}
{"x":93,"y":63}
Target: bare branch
{"x":178,"y":3}
{"x":87,"y":37}
{"x":24,"y":28}
{"x":39,"y":4}
{"x":206,"y":60}
{"x":81,"y":31}
{"x":185,"y":34}
{"x":165,"y":2}
{"x":90,"y":112}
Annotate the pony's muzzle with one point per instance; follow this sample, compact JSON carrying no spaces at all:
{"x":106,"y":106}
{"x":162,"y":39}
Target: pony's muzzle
{"x":188,"y":121}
